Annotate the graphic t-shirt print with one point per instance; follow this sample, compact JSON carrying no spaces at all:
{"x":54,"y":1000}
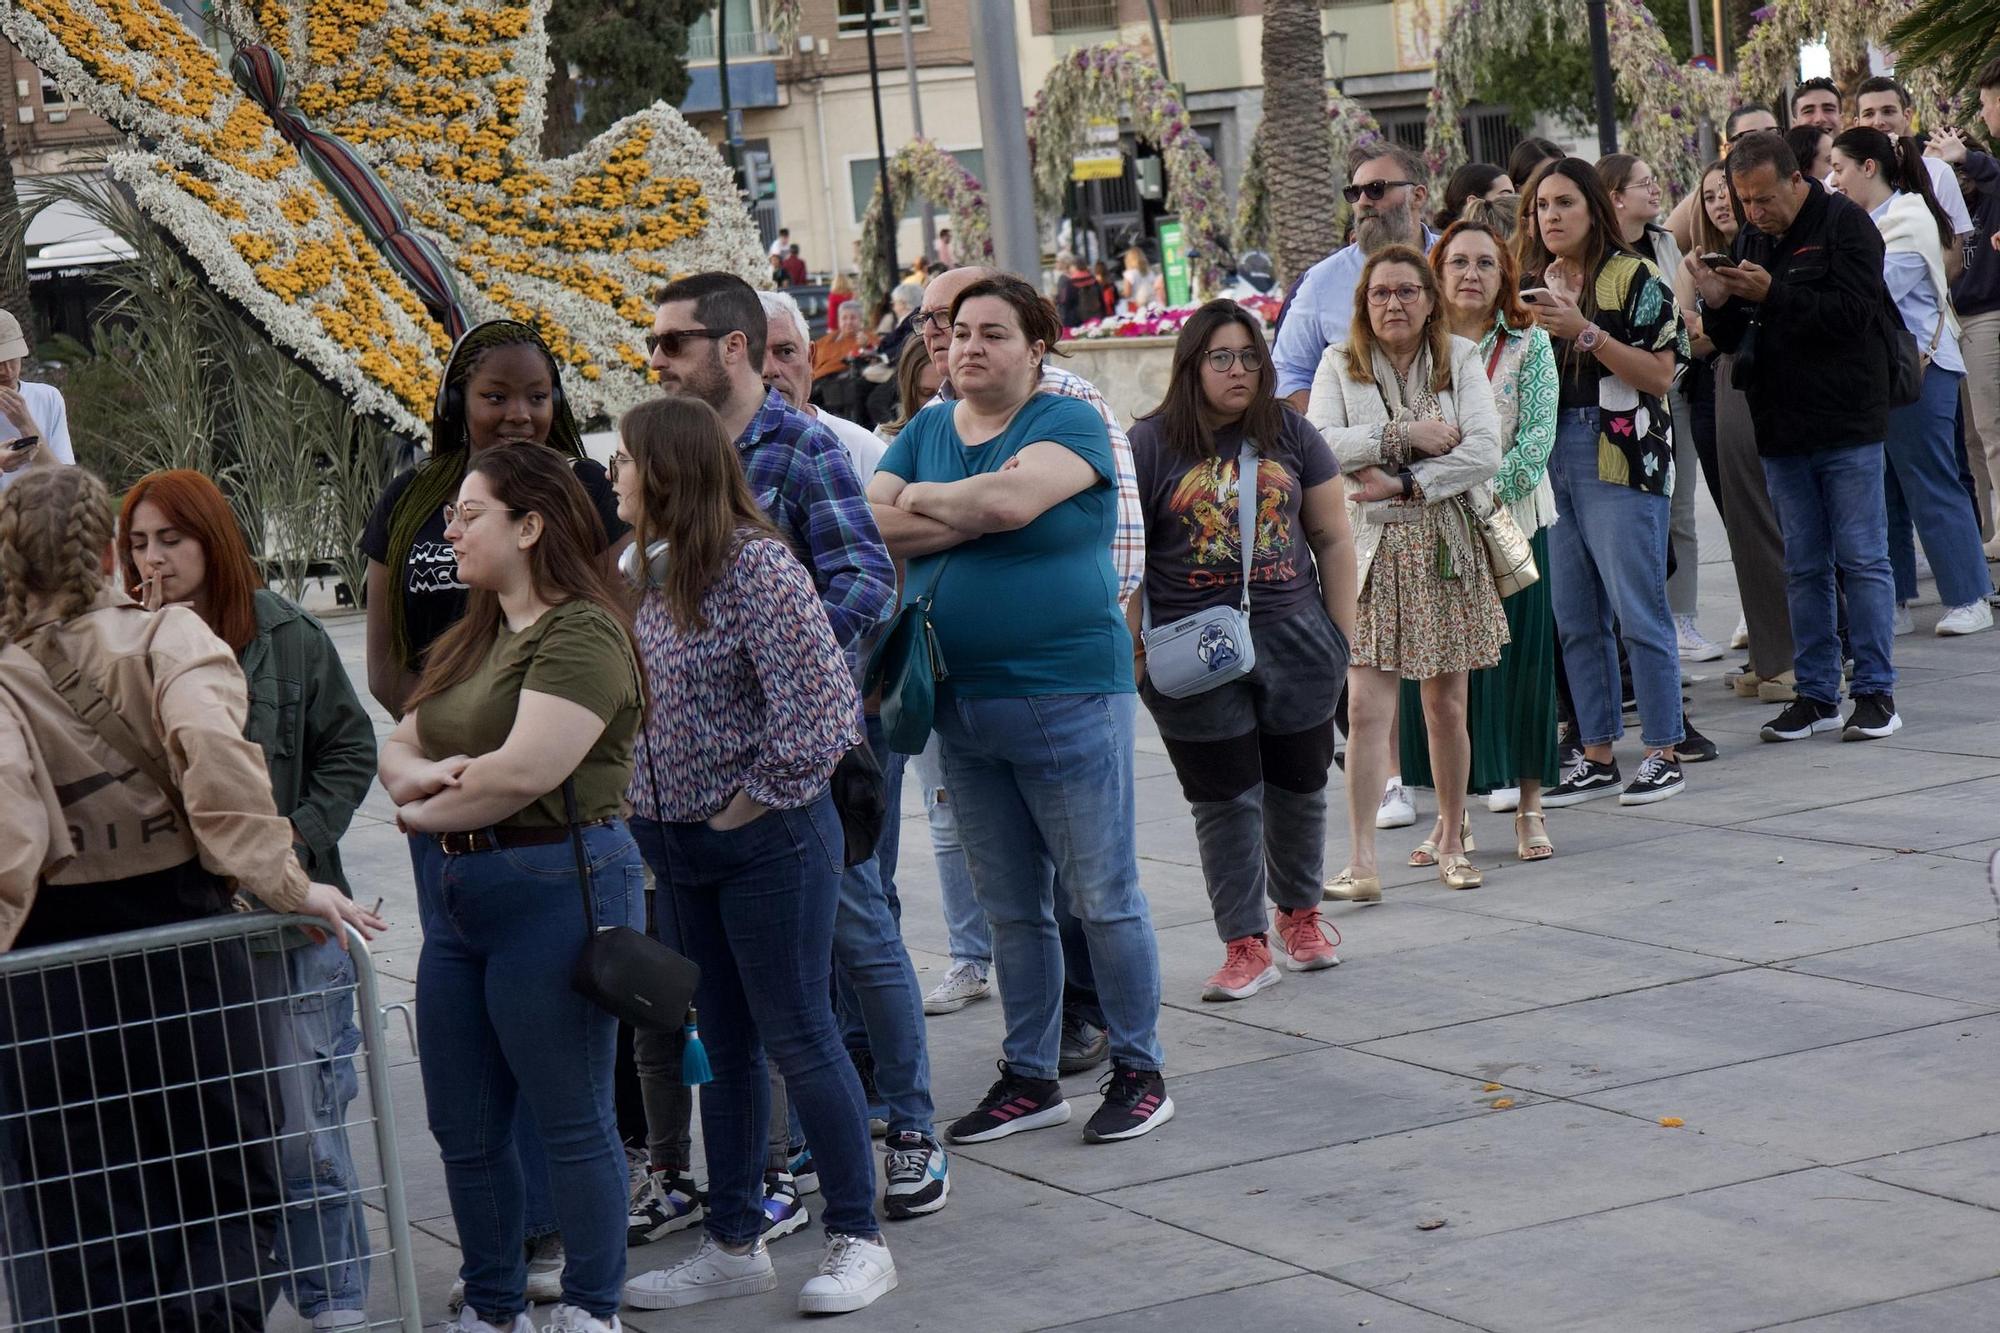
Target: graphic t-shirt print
{"x":433,"y":567}
{"x":1205,"y":506}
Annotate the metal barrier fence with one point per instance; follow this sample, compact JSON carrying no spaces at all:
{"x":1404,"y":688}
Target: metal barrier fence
{"x":177,"y":1150}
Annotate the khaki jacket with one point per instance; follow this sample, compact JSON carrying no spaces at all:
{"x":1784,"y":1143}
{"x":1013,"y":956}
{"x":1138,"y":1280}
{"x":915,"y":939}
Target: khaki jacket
{"x":73,"y":811}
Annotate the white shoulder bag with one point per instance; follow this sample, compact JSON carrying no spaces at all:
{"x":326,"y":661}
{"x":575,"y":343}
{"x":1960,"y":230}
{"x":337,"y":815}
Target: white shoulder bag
{"x":1209,"y":648}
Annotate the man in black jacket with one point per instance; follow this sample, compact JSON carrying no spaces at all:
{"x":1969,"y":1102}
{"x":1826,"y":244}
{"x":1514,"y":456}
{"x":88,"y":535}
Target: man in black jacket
{"x":1803,"y":310}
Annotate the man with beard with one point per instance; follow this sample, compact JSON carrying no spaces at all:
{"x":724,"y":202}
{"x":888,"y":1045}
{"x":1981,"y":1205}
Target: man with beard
{"x":1385,"y":187}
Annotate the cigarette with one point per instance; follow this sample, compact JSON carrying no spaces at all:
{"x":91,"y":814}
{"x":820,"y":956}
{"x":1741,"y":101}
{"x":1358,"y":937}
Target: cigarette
{"x":376,"y":910}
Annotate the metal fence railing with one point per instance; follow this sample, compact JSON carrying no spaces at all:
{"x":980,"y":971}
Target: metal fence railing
{"x":196,"y":1133}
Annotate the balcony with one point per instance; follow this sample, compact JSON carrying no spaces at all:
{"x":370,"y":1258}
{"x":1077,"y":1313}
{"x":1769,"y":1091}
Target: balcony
{"x":1083,"y":15}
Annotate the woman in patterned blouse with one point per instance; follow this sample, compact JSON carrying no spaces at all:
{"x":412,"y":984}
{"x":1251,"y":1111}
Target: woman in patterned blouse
{"x":1510,"y":708}
{"x":752,"y":707}
{"x":1617,"y":333}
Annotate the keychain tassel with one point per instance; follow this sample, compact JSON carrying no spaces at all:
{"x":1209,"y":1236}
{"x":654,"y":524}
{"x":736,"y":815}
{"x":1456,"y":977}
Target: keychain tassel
{"x":694,"y":1059}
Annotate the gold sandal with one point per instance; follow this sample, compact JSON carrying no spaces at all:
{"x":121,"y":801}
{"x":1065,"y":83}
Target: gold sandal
{"x":1425,"y":854}
{"x":1458,"y":872}
{"x":1348,"y":887}
{"x":1536,"y":846}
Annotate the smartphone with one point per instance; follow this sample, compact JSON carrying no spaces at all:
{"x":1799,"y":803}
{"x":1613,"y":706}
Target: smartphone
{"x":1534,"y":295}
{"x":25,"y":442}
{"x":1714,"y":260}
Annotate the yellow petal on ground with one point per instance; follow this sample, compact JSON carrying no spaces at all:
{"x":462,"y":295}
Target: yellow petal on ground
{"x":1502,"y":1103}
{"x":1671,"y":1121}
{"x":1491,"y":1087}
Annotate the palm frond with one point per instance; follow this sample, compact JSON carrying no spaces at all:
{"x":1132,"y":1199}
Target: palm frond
{"x":1958,"y":37}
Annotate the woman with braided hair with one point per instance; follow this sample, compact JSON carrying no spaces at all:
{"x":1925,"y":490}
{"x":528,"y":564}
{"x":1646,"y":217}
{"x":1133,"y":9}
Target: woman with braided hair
{"x":500,"y":386}
{"x":158,"y":810}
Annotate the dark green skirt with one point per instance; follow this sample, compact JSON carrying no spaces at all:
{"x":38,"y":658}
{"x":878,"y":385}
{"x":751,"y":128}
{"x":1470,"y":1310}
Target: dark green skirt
{"x":1510,"y":708}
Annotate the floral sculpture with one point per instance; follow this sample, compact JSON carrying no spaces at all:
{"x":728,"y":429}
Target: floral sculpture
{"x":1668,"y":99}
{"x":1352,"y":124}
{"x":1768,"y":64}
{"x":443,"y":100}
{"x":1093,"y":83}
{"x":921,"y":167}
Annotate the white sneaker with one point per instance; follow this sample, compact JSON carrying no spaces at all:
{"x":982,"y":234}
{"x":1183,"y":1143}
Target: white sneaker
{"x":1503,"y":799}
{"x":966,"y":982}
{"x":713,"y":1274}
{"x":1397,"y":810}
{"x":468,"y":1322}
{"x":545,"y":1269}
{"x":1902,"y":623}
{"x":570,"y":1319}
{"x":1740,"y":637}
{"x":1695,"y":646}
{"x":1923,"y":565}
{"x":339,"y":1319}
{"x":1968,"y":619}
{"x":854,"y":1275}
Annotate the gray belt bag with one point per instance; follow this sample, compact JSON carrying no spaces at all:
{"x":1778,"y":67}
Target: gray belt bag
{"x":1196,"y":653}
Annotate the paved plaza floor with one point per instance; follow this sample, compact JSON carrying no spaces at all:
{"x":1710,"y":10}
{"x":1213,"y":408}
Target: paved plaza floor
{"x":1461,"y":1127}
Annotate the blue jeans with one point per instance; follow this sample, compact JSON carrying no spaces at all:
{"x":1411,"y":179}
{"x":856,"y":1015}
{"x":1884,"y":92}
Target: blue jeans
{"x":1922,"y":484}
{"x":755,"y":909}
{"x":969,"y":934}
{"x":878,"y":988}
{"x":1608,"y":561}
{"x":1831,"y":509}
{"x":501,"y":1025}
{"x":322,"y":1240}
{"x":1044,"y":787}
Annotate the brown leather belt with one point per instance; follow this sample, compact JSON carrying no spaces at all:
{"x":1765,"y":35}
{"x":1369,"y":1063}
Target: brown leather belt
{"x":502,"y":836}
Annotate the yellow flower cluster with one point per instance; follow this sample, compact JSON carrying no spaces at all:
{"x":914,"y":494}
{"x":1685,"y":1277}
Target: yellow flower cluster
{"x":223,"y":205}
{"x":185,"y":80}
{"x":299,"y":206}
{"x":334,"y":28}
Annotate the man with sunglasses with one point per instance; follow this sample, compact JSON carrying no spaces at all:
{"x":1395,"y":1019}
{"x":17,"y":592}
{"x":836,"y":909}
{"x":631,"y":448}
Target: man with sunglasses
{"x":1385,"y":188}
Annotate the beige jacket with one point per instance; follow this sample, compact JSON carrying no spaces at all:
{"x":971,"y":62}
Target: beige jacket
{"x":73,"y":811}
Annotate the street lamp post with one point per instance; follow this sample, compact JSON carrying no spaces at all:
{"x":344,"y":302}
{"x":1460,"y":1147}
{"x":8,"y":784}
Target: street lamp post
{"x":1600,"y":64}
{"x":891,"y":215}
{"x":1010,"y":186}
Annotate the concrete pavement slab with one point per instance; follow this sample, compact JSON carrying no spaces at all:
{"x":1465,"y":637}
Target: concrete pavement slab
{"x":1961,"y":963}
{"x":1308,"y":1304}
{"x":1969,"y":1306}
{"x":1968,"y":1170}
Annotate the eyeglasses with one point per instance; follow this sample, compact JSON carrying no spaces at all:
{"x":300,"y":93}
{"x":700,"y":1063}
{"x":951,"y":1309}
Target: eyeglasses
{"x":619,"y":459}
{"x":1650,"y":183}
{"x":670,"y":343}
{"x":934,"y":319}
{"x":1406,"y":294}
{"x":464,"y":514}
{"x":1373,"y":189}
{"x":1223,"y":358}
{"x":1461,"y":263}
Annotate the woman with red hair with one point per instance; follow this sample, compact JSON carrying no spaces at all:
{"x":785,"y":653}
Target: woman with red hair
{"x":179,"y":542}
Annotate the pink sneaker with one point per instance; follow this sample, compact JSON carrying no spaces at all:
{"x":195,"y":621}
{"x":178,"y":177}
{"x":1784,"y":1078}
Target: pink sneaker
{"x":1303,"y":934}
{"x":1245,"y":971}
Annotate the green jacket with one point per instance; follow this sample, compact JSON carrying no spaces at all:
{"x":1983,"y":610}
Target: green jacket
{"x":316,"y":736}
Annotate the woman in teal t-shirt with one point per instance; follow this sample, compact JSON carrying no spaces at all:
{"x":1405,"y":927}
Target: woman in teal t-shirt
{"x":1003,"y":501}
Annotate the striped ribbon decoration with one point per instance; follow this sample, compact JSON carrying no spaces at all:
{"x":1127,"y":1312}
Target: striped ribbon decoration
{"x":260,"y":73}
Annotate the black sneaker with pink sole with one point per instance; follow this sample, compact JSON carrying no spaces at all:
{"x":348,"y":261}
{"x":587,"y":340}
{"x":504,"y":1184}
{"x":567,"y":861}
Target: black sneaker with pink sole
{"x":1135,"y":1103}
{"x":1011,"y":1105}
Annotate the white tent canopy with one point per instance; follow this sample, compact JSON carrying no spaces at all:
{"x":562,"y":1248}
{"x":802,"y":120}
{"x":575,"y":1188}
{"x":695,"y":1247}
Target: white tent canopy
{"x":63,"y":236}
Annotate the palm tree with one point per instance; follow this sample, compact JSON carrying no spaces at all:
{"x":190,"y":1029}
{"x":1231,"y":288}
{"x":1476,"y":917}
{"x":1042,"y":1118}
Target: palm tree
{"x":13,"y":246}
{"x":1294,"y":140}
{"x":1958,"y":36}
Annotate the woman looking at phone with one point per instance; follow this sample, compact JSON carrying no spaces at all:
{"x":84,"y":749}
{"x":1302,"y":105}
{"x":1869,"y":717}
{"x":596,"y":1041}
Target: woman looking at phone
{"x":1616,"y":331}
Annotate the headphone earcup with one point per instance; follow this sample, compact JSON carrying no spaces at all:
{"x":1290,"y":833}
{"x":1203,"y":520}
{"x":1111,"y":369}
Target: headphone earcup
{"x":655,"y":573}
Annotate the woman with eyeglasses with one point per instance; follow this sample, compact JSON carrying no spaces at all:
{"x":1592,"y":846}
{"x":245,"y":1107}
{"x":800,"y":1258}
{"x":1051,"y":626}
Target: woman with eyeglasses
{"x":1510,"y":708}
{"x":1635,"y":198}
{"x":1410,"y":415}
{"x":1252,"y":754}
{"x":518,"y":740}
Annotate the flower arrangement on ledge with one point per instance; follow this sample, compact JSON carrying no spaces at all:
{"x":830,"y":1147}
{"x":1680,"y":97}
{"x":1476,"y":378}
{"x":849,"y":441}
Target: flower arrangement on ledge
{"x":1158,"y":321}
{"x":443,"y":99}
{"x":922,"y":168}
{"x":1094,"y":83}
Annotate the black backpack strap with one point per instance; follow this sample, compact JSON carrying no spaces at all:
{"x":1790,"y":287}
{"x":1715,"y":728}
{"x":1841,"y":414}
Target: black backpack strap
{"x":89,"y":704}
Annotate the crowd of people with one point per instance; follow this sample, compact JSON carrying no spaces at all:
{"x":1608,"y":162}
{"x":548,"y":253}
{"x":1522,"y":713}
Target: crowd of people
{"x":1438,"y":531}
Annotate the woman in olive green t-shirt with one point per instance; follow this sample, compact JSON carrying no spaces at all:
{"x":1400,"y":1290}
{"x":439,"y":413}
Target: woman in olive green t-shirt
{"x":537,"y":684}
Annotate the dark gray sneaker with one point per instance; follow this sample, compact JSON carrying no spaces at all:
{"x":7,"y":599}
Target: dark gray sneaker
{"x":1084,"y":1045}
{"x":1874,"y":717}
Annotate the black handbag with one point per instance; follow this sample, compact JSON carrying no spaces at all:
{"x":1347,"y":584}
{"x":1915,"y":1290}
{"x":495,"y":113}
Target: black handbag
{"x":623,"y":971}
{"x":906,"y":667}
{"x":863,"y":804}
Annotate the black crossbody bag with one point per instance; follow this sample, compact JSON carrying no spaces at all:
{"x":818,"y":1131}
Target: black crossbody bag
{"x":623,"y":971}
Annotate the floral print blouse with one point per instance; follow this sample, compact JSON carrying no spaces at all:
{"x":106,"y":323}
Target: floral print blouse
{"x":1634,"y":430}
{"x":1526,"y":391}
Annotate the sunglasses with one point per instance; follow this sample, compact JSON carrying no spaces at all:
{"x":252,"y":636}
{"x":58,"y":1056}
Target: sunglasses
{"x":671,"y":343}
{"x":1373,"y":189}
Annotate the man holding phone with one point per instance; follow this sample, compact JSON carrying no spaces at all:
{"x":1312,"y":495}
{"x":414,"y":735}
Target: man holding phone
{"x":34,"y":422}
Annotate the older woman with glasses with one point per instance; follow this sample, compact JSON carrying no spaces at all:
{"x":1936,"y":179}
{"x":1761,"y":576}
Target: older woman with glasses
{"x":1409,"y":413}
{"x":1510,"y":708}
{"x":1251,"y":754}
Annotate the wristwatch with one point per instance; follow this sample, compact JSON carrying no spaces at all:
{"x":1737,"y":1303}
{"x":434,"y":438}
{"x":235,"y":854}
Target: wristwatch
{"x":1409,"y":481}
{"x":1589,"y":338}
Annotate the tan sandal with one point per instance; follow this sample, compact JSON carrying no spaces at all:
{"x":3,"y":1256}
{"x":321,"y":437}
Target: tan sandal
{"x":1458,"y":872}
{"x":1535,"y":846}
{"x":1348,"y":887}
{"x":1425,"y":854}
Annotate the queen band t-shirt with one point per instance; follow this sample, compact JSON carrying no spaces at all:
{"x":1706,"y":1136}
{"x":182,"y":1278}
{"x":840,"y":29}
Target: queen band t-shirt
{"x":433,"y":598}
{"x":1194,"y":556}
